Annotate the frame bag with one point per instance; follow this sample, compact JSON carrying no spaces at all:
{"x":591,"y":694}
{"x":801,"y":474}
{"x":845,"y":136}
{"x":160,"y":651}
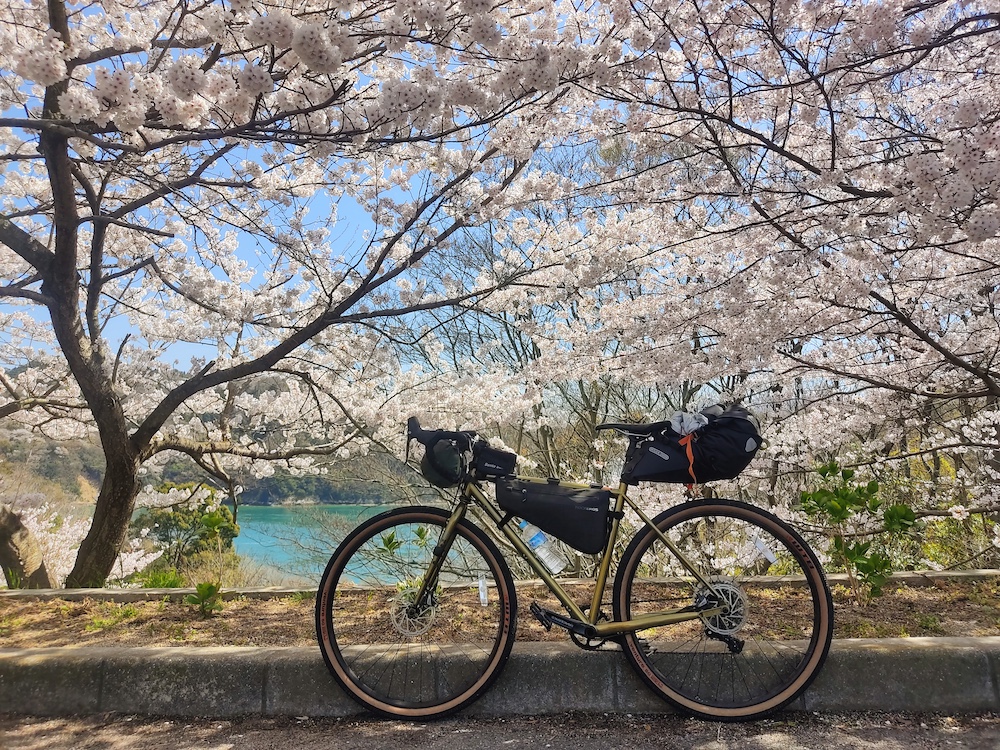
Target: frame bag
{"x":573,"y":513}
{"x":720,"y":449}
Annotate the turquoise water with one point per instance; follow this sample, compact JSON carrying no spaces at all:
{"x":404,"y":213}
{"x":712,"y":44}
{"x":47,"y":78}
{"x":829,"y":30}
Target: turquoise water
{"x":294,"y":542}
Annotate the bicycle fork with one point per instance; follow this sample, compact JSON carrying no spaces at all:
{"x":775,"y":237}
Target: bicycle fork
{"x":424,"y":596}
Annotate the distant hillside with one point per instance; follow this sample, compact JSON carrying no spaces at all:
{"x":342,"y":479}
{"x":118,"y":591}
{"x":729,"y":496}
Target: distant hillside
{"x":38,"y":470}
{"x":283,"y":488}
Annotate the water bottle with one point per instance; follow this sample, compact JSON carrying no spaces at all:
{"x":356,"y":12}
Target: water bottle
{"x":535,"y":538}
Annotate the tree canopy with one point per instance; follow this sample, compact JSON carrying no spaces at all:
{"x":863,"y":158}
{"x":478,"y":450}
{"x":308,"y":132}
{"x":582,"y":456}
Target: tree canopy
{"x":246,"y":231}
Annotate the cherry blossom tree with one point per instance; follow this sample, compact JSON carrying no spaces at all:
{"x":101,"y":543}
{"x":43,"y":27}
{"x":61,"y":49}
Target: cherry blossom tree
{"x":259,"y":181}
{"x":792,"y":203}
{"x":801,"y":197}
{"x":805,"y":193}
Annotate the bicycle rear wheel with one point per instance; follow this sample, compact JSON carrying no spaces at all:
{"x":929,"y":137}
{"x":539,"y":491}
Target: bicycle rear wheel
{"x":405,"y":658}
{"x":773,"y":633}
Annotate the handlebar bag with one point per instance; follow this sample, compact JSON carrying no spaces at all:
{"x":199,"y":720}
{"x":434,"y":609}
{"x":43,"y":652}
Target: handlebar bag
{"x":576,"y":514}
{"x":492,"y":462}
{"x":720,"y":449}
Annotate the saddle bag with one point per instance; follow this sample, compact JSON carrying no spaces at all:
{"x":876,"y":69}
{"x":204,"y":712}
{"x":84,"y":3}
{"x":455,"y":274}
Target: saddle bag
{"x":576,"y":514}
{"x":720,"y":449}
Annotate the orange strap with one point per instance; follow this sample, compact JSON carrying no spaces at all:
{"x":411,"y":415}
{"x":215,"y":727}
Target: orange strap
{"x":686,"y":441}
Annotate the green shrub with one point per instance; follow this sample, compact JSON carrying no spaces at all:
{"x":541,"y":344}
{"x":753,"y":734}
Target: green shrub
{"x":844,"y":505}
{"x":205,"y":598}
{"x":161,"y":578}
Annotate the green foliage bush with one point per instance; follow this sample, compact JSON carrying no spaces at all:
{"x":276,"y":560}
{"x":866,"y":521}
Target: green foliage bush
{"x":206,"y":598}
{"x":847,"y":508}
{"x":155,"y":577}
{"x":181,"y":529}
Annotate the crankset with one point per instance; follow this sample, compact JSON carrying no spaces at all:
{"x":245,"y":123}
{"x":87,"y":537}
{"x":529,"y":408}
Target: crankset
{"x":590,"y":644}
{"x":548,"y":618}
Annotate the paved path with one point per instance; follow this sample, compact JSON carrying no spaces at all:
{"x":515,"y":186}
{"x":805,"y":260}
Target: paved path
{"x":564,"y":732}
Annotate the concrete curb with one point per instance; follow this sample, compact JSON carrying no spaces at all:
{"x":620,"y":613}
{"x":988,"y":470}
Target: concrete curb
{"x":960,"y":675}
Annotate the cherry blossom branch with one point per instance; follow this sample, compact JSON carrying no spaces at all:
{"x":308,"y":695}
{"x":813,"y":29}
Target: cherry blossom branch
{"x":198,"y":449}
{"x":986,"y":376}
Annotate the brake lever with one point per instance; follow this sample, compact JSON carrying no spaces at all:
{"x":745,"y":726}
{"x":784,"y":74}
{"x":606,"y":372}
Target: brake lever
{"x":412,"y":427}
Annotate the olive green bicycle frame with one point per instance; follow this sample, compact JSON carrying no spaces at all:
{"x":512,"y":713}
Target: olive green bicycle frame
{"x":471,"y":493}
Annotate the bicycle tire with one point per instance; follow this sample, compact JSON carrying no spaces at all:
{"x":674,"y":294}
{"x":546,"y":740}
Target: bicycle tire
{"x":402,"y":662}
{"x":779,"y":611}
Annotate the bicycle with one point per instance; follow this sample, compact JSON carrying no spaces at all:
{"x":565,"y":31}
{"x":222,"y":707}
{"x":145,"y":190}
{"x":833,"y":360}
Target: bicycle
{"x":721,"y":608}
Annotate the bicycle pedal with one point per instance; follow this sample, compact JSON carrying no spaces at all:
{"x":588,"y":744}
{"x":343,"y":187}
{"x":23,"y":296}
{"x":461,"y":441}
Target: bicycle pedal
{"x":542,"y":615}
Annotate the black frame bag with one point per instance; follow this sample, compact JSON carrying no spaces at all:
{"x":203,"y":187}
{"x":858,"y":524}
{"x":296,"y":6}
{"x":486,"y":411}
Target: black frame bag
{"x":573,"y":513}
{"x":720,"y":449}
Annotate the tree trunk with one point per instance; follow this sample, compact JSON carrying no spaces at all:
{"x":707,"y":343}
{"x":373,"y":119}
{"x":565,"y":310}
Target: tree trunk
{"x":20,"y":555}
{"x":112,"y":514}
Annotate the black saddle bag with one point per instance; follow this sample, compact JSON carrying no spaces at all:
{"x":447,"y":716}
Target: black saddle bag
{"x":720,"y":449}
{"x":574,"y":513}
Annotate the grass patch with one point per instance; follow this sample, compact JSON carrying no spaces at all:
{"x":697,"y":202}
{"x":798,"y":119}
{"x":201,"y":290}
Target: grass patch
{"x":110,"y":614}
{"x":869,"y":629}
{"x":985,"y":594}
{"x":9,"y":624}
{"x":930,"y":623}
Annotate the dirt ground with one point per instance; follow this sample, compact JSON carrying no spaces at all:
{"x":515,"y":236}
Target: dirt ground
{"x":792,"y":731}
{"x":952,"y":609}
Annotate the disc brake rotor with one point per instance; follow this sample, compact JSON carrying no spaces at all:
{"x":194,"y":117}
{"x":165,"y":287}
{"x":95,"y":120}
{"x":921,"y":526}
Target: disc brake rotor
{"x":731,"y":598}
{"x":408,"y":617}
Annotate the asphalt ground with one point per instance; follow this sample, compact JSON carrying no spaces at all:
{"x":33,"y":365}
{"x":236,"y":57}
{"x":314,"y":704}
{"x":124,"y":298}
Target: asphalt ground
{"x":874,"y":731}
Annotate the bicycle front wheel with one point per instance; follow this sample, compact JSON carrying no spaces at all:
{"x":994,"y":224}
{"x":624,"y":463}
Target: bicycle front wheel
{"x":773,"y":619}
{"x":405,"y":658}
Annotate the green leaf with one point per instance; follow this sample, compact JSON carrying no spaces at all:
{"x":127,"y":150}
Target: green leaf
{"x":213,"y":520}
{"x":899,"y":518}
{"x":206,"y":590}
{"x":827,"y":470}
